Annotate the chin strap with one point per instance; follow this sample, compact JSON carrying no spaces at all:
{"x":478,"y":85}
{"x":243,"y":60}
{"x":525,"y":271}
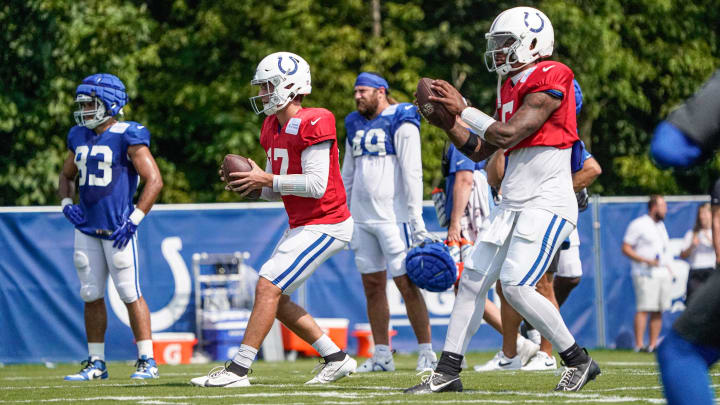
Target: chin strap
{"x":498,"y":100}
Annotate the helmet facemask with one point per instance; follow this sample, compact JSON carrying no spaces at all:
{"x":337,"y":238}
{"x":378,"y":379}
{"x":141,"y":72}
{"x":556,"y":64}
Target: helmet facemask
{"x":275,"y":100}
{"x":93,"y":116}
{"x":505,"y":43}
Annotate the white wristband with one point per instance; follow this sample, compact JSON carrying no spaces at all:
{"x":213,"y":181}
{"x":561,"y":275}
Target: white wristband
{"x":477,"y":120}
{"x":290,"y":184}
{"x":66,"y":201}
{"x":137,"y":216}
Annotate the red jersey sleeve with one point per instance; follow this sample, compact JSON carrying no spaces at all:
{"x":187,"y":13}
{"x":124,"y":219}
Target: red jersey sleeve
{"x":551,"y":75}
{"x":318,"y":126}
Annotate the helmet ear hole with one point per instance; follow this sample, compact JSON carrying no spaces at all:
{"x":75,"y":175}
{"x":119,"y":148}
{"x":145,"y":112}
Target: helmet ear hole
{"x":532,"y":44}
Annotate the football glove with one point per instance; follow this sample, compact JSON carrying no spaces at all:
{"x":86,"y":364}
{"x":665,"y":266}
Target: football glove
{"x":125,"y":232}
{"x":421,"y":235}
{"x":74,"y":214}
{"x":583,"y":198}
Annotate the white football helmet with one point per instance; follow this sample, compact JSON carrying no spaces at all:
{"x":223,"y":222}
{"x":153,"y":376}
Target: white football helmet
{"x":524,"y":25}
{"x":289,"y":75}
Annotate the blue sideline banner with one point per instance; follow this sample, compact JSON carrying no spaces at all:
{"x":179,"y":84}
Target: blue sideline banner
{"x":42,"y":315}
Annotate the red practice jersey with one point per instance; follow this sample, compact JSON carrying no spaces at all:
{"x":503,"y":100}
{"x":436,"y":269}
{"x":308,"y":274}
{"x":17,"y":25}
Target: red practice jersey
{"x":284,"y":147}
{"x":560,"y":129}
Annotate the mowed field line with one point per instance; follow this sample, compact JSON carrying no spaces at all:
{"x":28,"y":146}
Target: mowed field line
{"x":627,"y":378}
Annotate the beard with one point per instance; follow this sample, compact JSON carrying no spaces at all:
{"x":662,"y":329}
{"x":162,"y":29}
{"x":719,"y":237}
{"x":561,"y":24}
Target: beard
{"x":368,"y":108}
{"x":658,"y":216}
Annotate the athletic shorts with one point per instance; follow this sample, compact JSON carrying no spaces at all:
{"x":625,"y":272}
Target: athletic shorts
{"x":531,"y":237}
{"x":297,"y":255}
{"x":381,"y":246}
{"x":569,"y":264}
{"x":652,"y":290}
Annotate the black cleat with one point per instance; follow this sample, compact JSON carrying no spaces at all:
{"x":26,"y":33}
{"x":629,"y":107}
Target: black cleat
{"x":574,"y":378}
{"x":437,"y":382}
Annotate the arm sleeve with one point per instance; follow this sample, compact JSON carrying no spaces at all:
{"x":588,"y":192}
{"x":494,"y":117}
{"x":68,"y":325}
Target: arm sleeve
{"x":267,"y":192}
{"x":407,"y":147}
{"x":315,"y":161}
{"x":699,"y":116}
{"x":348,"y":171}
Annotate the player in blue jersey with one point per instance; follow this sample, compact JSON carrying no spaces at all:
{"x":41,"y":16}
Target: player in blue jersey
{"x":382,"y":173}
{"x":688,"y":135}
{"x":108,"y":158}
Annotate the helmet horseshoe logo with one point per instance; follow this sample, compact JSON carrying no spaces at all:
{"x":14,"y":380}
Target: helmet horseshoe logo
{"x":535,"y":30}
{"x":292,"y":71}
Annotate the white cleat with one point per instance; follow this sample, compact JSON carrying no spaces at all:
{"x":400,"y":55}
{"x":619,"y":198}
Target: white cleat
{"x":526,"y":349}
{"x":377,"y":364}
{"x":334,"y":370}
{"x":541,"y":361}
{"x":221,"y":377}
{"x":427,"y":359}
{"x":500,"y":362}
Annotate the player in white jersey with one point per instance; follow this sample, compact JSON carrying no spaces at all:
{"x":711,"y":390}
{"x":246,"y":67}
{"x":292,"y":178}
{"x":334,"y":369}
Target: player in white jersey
{"x":382,"y":173}
{"x":537,"y":126}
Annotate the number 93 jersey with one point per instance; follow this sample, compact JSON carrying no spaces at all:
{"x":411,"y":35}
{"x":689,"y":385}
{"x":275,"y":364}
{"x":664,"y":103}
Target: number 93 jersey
{"x":107,"y":178}
{"x":284,"y":147}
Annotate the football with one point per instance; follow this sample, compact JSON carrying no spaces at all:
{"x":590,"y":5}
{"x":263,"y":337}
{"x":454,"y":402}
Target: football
{"x":434,"y":112}
{"x":236,"y":163}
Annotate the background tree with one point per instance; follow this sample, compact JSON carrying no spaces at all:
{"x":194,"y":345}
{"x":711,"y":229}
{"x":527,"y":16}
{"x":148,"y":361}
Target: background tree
{"x":187,"y":65}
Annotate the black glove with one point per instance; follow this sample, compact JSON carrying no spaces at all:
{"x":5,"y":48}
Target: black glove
{"x":583,"y":198}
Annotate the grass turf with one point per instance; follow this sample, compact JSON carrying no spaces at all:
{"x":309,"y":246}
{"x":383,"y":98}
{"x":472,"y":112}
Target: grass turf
{"x":626,"y":377}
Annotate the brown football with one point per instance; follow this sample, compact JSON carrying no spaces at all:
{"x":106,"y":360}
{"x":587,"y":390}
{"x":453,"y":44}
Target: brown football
{"x":236,"y":163}
{"x":434,"y":112}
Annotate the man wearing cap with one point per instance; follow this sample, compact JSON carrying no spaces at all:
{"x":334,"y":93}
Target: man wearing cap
{"x":382,"y":173}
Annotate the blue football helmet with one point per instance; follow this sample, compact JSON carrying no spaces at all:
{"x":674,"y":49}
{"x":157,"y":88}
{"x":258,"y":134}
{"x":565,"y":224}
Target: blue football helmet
{"x":430,"y":266}
{"x":106,"y":95}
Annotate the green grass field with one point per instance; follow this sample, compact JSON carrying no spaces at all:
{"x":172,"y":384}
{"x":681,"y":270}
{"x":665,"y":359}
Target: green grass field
{"x":626,"y":378}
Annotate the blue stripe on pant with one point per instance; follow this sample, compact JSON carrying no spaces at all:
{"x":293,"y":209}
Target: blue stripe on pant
{"x":312,"y":259}
{"x":550,"y":254}
{"x":299,"y":259}
{"x":546,"y":237}
{"x":135,"y":264}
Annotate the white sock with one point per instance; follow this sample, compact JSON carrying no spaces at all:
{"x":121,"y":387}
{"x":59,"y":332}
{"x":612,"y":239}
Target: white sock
{"x":382,"y":351}
{"x":541,"y":313}
{"x":145,"y":349}
{"x":425,"y":347}
{"x":245,"y":356}
{"x":96,"y":351}
{"x":325,"y":346}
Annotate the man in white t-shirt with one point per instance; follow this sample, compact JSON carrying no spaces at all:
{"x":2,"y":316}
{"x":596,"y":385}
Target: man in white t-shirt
{"x":646,"y":243}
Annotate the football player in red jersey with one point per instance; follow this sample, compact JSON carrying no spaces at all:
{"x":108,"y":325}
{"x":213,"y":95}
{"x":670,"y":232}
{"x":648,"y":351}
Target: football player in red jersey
{"x":535,"y":123}
{"x":303,"y":170}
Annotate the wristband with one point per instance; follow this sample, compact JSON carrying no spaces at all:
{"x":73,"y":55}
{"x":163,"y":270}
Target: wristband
{"x":66,"y":201}
{"x":137,"y":216}
{"x":469,"y":148}
{"x":477,"y":120}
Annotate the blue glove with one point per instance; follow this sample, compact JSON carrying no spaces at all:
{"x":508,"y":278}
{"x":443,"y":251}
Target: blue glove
{"x":74,"y":214}
{"x":670,"y":147}
{"x":122,"y":235}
